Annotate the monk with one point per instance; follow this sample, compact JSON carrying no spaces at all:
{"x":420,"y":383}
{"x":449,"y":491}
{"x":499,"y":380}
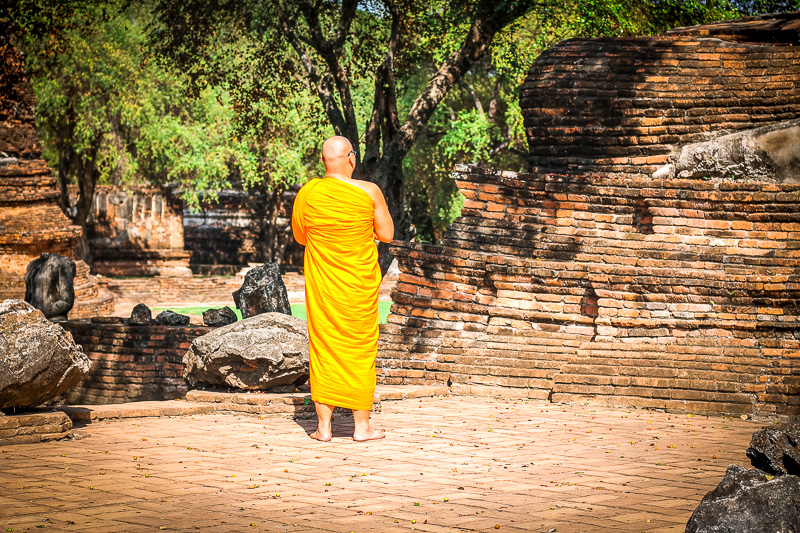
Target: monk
{"x":337,"y":218}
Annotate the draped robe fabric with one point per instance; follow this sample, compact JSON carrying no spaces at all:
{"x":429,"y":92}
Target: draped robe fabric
{"x":335,"y":221}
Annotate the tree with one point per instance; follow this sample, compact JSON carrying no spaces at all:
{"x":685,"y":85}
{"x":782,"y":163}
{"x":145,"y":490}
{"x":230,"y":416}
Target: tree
{"x":108,"y":115}
{"x":336,"y":49}
{"x":479,"y":122}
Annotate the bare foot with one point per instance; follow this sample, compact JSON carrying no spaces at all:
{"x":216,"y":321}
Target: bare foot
{"x":370,"y":434}
{"x":320,"y":436}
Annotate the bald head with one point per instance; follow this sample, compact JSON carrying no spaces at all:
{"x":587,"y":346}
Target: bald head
{"x":336,"y":156}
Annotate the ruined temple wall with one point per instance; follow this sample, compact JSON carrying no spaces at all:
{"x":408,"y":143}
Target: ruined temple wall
{"x":664,"y":294}
{"x":130,"y":363}
{"x":31,"y":222}
{"x":625,"y":106}
{"x":136,"y":232}
{"x":228,"y":232}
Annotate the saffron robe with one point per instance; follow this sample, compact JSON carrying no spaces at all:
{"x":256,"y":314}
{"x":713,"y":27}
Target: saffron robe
{"x":335,"y":222}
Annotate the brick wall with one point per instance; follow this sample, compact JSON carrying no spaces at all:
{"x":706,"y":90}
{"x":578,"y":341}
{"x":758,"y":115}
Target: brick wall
{"x":18,"y":136}
{"x":622,"y":106}
{"x":136,"y":232}
{"x":664,"y":294}
{"x":130,"y":363}
{"x":228,"y":232}
{"x":30,"y":220}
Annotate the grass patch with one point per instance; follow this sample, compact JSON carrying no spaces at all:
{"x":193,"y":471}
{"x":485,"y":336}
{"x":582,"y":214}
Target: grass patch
{"x":298,"y":310}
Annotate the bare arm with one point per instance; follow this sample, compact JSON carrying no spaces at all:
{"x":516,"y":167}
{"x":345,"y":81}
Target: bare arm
{"x":384,"y":226}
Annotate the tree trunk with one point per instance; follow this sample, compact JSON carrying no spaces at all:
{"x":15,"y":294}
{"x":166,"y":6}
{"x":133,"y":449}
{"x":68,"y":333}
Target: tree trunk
{"x":394,"y":194}
{"x":88,"y":176}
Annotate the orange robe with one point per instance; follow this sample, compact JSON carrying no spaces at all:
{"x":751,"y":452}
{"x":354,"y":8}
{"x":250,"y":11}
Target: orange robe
{"x":335,"y":222}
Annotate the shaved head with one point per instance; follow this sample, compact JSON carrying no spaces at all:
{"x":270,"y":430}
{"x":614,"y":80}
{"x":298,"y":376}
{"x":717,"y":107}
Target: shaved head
{"x":336,"y":156}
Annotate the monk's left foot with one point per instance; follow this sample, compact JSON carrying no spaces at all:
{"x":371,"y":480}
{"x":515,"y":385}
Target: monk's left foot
{"x":370,"y":434}
{"x":317,"y":435}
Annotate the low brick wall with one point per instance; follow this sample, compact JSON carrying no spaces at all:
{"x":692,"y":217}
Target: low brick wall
{"x":677,"y":295}
{"x":130,"y":363}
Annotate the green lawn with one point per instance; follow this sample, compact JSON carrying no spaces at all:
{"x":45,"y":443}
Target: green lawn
{"x":298,"y":310}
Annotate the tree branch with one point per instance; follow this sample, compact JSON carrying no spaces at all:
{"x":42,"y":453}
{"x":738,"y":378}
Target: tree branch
{"x":323,"y":84}
{"x":348,"y":14}
{"x":330,"y":53}
{"x":471,"y":91}
{"x":384,"y":121}
{"x":493,"y":101}
{"x":489,"y":19}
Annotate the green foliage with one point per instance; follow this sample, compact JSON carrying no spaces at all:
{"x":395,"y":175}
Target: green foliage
{"x":480,"y":122}
{"x":100,"y":96}
{"x":206,"y":93}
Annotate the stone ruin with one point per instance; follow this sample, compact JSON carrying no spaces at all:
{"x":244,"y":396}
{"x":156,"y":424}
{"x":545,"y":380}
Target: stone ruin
{"x":30,"y":220}
{"x":136,"y":232}
{"x":224,"y":235}
{"x":589,"y":280}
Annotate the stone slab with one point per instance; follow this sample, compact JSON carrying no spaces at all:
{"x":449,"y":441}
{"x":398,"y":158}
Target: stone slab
{"x":95,"y":413}
{"x":269,"y":405}
{"x":36,"y":425}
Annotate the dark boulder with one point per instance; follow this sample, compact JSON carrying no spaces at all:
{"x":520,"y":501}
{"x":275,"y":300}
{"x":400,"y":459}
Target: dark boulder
{"x":749,"y":501}
{"x":776,"y":450}
{"x":263,"y":291}
{"x":219,"y":317}
{"x":39,"y":359}
{"x":141,"y":316}
{"x":171,"y":318}
{"x":49,"y":285}
{"x":256,"y":353}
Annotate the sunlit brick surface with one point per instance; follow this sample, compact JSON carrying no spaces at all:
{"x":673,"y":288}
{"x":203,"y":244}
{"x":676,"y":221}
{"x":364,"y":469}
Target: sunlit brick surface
{"x":522,"y":466}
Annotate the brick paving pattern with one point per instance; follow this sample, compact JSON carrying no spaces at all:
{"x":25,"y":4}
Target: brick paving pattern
{"x":447,"y":464}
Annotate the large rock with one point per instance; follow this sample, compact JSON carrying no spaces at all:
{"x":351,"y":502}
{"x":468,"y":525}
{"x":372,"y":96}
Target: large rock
{"x":171,"y":318}
{"x":263,"y":291}
{"x":219,"y":317}
{"x":39,"y":360}
{"x":256,"y":353}
{"x":48,"y":285}
{"x":749,"y":501}
{"x":769,"y":153}
{"x":776,"y":450}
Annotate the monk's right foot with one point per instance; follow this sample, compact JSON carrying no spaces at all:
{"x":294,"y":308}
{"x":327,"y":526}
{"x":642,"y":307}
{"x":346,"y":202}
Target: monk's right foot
{"x":318,"y":435}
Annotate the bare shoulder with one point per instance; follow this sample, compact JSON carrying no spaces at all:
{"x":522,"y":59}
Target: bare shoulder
{"x":370,"y":188}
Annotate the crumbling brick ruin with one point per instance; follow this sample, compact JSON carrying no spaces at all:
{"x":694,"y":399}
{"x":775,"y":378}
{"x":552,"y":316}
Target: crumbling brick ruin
{"x":224,"y":236}
{"x":30,"y":220}
{"x":136,"y":232}
{"x":623,"y":106}
{"x":588,"y":280}
{"x":130,"y":363}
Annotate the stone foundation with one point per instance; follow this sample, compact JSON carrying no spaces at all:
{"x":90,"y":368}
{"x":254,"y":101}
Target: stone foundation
{"x":34,"y":426}
{"x":130,"y":363}
{"x":677,"y":295}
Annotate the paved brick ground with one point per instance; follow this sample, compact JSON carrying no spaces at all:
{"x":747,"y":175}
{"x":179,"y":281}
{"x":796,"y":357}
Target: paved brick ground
{"x":452,"y":464}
